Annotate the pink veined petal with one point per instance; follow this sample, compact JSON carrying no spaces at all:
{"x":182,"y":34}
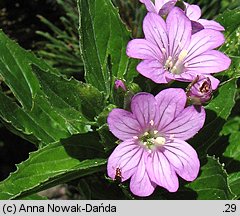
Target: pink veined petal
{"x":170,"y":104}
{"x":143,"y":49}
{"x":123,"y":124}
{"x":183,"y":77}
{"x":161,"y":172}
{"x":154,"y":28}
{"x":202,"y":41}
{"x":211,"y":24}
{"x":179,"y":31}
{"x":144,"y":108}
{"x":211,"y":61}
{"x":186,"y":124}
{"x":141,"y":184}
{"x":166,"y":8}
{"x":193,"y":12}
{"x":183,"y":158}
{"x":196,"y":27}
{"x":126,"y":157}
{"x":150,"y":6}
{"x":214,"y":81}
{"x":153,"y":70}
{"x":160,"y":3}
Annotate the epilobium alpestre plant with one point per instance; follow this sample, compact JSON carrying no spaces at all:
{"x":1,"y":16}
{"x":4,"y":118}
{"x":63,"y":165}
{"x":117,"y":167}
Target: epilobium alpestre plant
{"x":173,"y":127}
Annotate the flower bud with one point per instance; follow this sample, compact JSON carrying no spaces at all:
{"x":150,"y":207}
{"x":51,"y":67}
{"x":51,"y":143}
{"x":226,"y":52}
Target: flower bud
{"x":200,"y":91}
{"x":120,"y":84}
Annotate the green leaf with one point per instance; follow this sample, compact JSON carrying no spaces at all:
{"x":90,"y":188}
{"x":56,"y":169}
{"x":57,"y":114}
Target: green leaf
{"x":54,"y":164}
{"x":104,"y":43}
{"x":234,"y":181}
{"x":16,"y":71}
{"x":212,"y":182}
{"x":232,"y":156}
{"x":217,"y":112}
{"x":232,"y":128}
{"x":230,"y":19}
{"x":47,"y":107}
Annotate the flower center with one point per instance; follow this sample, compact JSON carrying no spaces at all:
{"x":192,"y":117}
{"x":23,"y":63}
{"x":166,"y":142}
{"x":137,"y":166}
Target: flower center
{"x":152,"y":140}
{"x":175,"y":65}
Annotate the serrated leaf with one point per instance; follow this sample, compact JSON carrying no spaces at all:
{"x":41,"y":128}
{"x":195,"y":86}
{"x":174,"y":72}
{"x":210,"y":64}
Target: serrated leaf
{"x":217,"y":112}
{"x":54,"y":164}
{"x":212,"y":183}
{"x":52,"y":107}
{"x":103,"y":45}
{"x":16,"y":71}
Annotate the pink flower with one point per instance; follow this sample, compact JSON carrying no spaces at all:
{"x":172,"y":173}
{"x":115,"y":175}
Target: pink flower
{"x":170,"y":52}
{"x":201,"y":91}
{"x":193,"y":12}
{"x":153,"y":150}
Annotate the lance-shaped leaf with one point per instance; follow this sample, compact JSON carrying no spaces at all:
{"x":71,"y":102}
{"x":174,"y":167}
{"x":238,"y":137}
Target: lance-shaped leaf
{"x":103,"y":40}
{"x":54,"y":164}
{"x":46,"y":106}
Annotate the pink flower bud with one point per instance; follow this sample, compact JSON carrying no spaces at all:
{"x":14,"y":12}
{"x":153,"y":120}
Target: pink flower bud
{"x":201,"y":91}
{"x":120,"y":84}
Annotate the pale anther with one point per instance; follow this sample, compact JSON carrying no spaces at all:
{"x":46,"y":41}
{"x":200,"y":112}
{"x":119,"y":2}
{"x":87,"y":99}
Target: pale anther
{"x":151,"y":122}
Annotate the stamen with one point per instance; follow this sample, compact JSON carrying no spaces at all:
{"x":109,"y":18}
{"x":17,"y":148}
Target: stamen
{"x":155,"y":132}
{"x":146,"y":133}
{"x":151,"y":122}
{"x":182,"y":55}
{"x":163,"y":50}
{"x":135,"y":137}
{"x":160,"y":141}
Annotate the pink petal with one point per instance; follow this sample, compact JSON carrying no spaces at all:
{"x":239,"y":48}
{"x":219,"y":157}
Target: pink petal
{"x":154,"y":28}
{"x":123,"y":124}
{"x":211,"y":24}
{"x":186,"y":124}
{"x":211,"y":61}
{"x":171,"y":103}
{"x":153,"y":70}
{"x":180,"y":30}
{"x":160,"y":3}
{"x":140,"y":183}
{"x":150,"y":6}
{"x":143,"y":49}
{"x":203,"y":41}
{"x":193,"y":12}
{"x":126,"y":157}
{"x":183,"y":158}
{"x":144,"y":109}
{"x":161,"y":172}
{"x":166,"y":8}
{"x":214,"y":81}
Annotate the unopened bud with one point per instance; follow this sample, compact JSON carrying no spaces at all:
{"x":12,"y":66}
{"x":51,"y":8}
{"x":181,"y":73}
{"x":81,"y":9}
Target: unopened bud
{"x":120,"y":84}
{"x":201,"y":91}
